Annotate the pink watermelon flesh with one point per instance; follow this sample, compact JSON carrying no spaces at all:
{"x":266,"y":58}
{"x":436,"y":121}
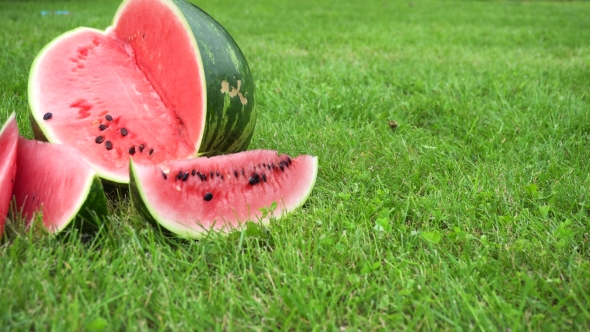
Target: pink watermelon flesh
{"x":58,"y":192}
{"x":225,"y":190}
{"x":151,"y":85}
{"x":8,"y":147}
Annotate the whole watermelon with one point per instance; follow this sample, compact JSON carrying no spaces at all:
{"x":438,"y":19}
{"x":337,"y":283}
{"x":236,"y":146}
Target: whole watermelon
{"x":164,"y":82}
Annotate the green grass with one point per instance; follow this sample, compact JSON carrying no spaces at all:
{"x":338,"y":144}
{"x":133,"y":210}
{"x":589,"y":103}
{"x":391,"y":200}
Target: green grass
{"x":473,"y":214}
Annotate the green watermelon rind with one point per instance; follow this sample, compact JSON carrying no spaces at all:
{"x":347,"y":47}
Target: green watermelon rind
{"x":139,"y":200}
{"x":92,"y":208}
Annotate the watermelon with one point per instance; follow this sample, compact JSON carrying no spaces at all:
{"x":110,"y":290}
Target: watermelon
{"x":8,"y":146}
{"x":164,"y":82}
{"x":194,"y":196}
{"x":55,"y":181}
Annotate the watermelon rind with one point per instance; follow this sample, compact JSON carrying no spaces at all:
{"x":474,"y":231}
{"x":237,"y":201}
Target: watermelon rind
{"x":229,"y":114}
{"x":153,"y":217}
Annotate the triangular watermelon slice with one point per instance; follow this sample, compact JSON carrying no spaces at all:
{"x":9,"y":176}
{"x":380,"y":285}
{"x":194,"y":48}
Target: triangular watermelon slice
{"x":54,"y":180}
{"x":8,"y":146}
{"x":192,"y":197}
{"x":164,"y":82}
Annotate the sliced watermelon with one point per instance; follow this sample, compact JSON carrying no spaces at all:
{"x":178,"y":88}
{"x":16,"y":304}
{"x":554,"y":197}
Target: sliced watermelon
{"x":54,"y":180}
{"x":191,"y":197}
{"x":8,"y":146}
{"x":165,"y":82}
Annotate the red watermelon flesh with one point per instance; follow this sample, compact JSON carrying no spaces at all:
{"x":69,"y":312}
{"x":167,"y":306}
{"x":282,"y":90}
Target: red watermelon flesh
{"x":193,"y":196}
{"x":53,"y":179}
{"x":132,"y":90}
{"x":8,"y":147}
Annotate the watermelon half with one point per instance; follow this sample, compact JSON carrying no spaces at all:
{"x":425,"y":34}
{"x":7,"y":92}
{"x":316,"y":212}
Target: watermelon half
{"x":54,"y":180}
{"x":164,"y":82}
{"x":8,"y":146}
{"x":191,"y":197}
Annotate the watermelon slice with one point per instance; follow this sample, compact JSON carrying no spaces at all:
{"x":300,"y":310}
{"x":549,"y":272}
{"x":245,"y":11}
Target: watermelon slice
{"x":54,"y":180}
{"x":164,"y":82}
{"x":191,"y":197}
{"x":8,"y":144}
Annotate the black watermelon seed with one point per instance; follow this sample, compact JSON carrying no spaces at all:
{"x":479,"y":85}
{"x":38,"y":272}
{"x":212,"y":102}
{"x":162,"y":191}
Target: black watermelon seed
{"x":236,"y":173}
{"x":211,"y":174}
{"x":99,"y":139}
{"x":242,"y":172}
{"x":151,"y":151}
{"x":185,"y":176}
{"x":286,"y":163}
{"x":252,"y":181}
{"x":141,"y":147}
{"x":102,"y":127}
{"x":216,"y":173}
{"x":47,"y":116}
{"x":193,"y":172}
{"x":180,"y":175}
{"x":204,"y":177}
{"x":108,"y":145}
{"x":208,"y":197}
{"x":165,"y":176}
{"x":263,"y":177}
{"x":108,"y":117}
{"x":289,"y":160}
{"x":281,"y":166}
{"x":132,"y":150}
{"x":222,"y":176}
{"x":124,"y":132}
{"x":268,"y":166}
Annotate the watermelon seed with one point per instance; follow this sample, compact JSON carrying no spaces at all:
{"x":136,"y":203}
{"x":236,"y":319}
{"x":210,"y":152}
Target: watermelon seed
{"x":263,"y":177}
{"x":141,"y":147}
{"x":99,"y":139}
{"x":236,"y":173}
{"x":47,"y":116}
{"x":108,"y":117}
{"x":242,"y":172}
{"x":185,"y":176}
{"x":165,"y":176}
{"x":108,"y":145}
{"x":124,"y":132}
{"x":208,"y":197}
{"x":254,"y":179}
{"x":289,"y":160}
{"x":268,"y":166}
{"x":216,"y":173}
{"x":211,"y":175}
{"x":281,"y":166}
{"x":132,"y":150}
{"x":102,"y":127}
{"x":151,"y":151}
{"x":193,"y":172}
{"x":180,"y":175}
{"x":222,"y":176}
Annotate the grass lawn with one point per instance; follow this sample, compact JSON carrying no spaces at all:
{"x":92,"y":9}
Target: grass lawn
{"x":472,"y":214}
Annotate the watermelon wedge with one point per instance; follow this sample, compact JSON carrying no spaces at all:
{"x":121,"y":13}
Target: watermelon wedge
{"x":8,"y":146}
{"x":191,"y":197}
{"x":164,"y":82}
{"x":54,"y":180}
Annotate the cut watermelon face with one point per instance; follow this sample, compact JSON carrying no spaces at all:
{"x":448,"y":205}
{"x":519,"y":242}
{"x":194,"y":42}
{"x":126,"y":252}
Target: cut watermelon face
{"x":8,"y":147}
{"x":139,"y":89}
{"x":54,"y":180}
{"x":191,"y":197}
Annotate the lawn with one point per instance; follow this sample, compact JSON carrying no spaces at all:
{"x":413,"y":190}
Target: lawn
{"x":473,"y":213}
